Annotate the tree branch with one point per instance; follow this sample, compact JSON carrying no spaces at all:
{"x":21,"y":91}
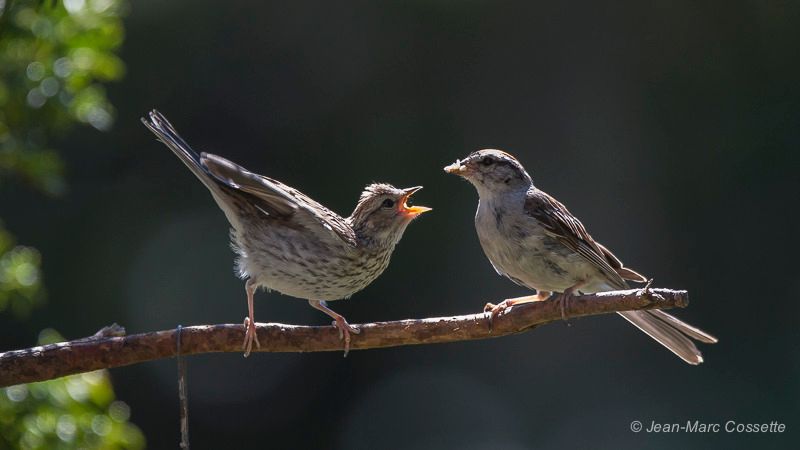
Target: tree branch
{"x":102,"y":351}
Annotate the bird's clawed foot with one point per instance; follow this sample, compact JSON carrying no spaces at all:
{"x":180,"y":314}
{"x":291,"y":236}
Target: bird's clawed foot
{"x":563,"y":300}
{"x":338,"y":321}
{"x":344,"y":332}
{"x":496,"y":310}
{"x":249,"y":336}
{"x":506,"y":304}
{"x":645,"y":291}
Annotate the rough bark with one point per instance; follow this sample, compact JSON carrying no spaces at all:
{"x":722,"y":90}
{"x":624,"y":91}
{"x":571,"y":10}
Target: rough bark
{"x":107,"y":350}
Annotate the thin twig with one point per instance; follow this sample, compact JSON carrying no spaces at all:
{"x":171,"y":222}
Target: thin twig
{"x":98,"y":352}
{"x":182,"y":395}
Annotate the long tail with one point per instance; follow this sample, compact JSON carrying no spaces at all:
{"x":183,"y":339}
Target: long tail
{"x":166,"y":133}
{"x":670,"y":332}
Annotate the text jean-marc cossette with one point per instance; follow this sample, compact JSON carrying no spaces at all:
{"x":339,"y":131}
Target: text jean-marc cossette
{"x":697,"y":426}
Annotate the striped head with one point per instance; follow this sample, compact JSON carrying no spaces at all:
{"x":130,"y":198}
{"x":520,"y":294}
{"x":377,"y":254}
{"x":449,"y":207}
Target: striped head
{"x":383,"y":213}
{"x":492,"y":171}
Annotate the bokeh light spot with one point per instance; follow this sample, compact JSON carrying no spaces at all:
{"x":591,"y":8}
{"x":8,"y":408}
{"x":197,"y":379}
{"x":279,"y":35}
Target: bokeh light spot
{"x":17,"y":393}
{"x":119,"y":411}
{"x":66,"y":428}
{"x":35,"y":71}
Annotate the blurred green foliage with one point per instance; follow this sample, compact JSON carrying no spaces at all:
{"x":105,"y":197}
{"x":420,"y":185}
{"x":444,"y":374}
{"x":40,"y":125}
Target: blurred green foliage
{"x":77,"y":411}
{"x":20,"y":278}
{"x":53,"y":58}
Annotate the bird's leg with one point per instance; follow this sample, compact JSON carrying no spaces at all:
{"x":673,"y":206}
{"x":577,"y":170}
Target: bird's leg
{"x":565,"y":297}
{"x":250,"y":321}
{"x":338,"y":321}
{"x":509,"y":302}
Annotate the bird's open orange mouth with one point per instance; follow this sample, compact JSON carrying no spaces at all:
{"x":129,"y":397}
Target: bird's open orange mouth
{"x":411,"y":211}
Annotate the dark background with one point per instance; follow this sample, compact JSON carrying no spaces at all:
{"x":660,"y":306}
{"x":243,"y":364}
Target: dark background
{"x":670,"y":129}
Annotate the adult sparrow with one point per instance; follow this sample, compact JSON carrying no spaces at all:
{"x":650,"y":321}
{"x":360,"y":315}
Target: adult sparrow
{"x":533,"y":239}
{"x":287,"y":242}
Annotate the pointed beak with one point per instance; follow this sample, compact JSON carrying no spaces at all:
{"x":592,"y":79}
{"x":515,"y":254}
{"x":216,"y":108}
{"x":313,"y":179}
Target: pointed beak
{"x":456,"y":168}
{"x":411,"y":211}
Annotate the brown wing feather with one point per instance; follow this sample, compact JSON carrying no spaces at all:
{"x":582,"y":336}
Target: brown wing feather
{"x":278,"y":199}
{"x":567,"y":229}
{"x":276,"y":203}
{"x":230,"y":183}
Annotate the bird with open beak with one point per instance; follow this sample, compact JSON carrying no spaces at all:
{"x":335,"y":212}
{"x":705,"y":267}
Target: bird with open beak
{"x":287,"y":242}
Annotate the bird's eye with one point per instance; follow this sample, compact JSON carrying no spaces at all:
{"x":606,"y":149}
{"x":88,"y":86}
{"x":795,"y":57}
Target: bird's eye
{"x":487,"y":161}
{"x":388,"y":203}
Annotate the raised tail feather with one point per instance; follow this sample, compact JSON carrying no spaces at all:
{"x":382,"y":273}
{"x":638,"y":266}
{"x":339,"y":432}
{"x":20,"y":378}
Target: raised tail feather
{"x":670,"y":332}
{"x":166,"y":133}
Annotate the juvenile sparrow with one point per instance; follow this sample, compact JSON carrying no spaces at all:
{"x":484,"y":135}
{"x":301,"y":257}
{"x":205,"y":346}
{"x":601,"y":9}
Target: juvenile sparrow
{"x":537,"y":243}
{"x":287,"y":242}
